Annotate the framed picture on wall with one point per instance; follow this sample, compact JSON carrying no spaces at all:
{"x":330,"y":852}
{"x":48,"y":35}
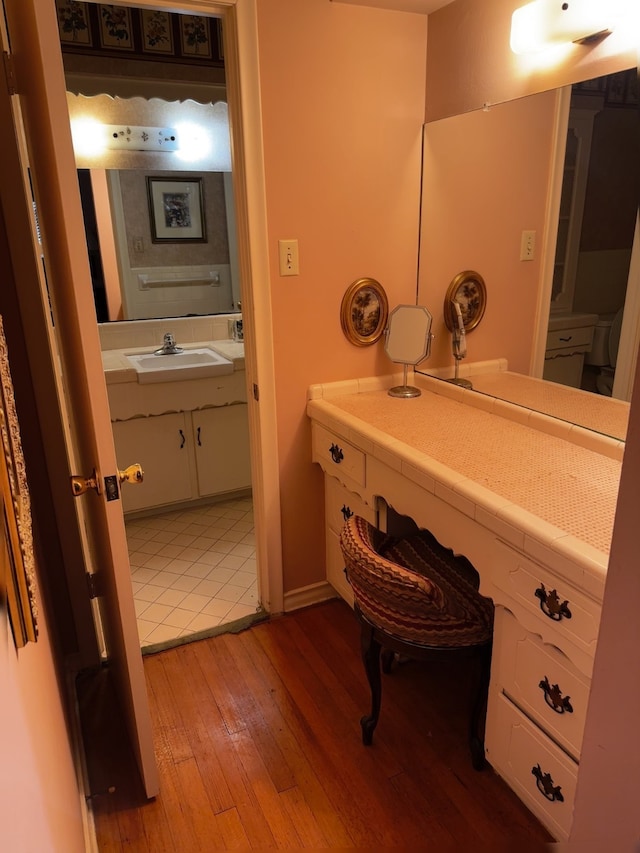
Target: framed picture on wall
{"x":176,"y":210}
{"x":17,"y":563}
{"x":73,"y":23}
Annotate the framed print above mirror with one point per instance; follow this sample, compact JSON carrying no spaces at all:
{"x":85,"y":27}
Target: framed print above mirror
{"x":176,"y":210}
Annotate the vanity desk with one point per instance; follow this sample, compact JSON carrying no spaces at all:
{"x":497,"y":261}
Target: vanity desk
{"x":530,"y":502}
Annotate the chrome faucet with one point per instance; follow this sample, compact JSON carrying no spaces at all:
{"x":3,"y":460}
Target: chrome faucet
{"x":168,"y":346}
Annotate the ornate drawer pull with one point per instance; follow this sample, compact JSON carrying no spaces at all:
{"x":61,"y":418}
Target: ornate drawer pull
{"x":554,"y":698}
{"x":551,"y":605}
{"x":346,"y":512}
{"x":182,"y":439}
{"x":545,"y":785}
{"x":336,"y":454}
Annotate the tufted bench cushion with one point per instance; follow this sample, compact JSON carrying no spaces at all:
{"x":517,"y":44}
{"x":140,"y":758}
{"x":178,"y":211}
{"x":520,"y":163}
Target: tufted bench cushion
{"x":414,"y":589}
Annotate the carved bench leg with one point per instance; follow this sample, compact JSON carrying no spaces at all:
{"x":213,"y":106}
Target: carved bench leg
{"x":370,"y":649}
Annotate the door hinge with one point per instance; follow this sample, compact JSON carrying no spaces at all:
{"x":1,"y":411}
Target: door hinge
{"x":256,"y":392}
{"x":9,"y":72}
{"x":92,"y":584}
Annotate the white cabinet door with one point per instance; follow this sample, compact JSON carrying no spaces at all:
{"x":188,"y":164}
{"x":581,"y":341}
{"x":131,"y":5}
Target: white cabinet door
{"x":161,"y":445}
{"x":221,"y":438}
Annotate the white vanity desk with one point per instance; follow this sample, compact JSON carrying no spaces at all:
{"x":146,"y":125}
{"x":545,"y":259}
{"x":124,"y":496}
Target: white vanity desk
{"x":532,"y":511}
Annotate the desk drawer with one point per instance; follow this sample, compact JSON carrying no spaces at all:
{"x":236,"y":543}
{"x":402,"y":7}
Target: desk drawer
{"x":337,"y":456}
{"x":541,"y":681}
{"x":340,"y":504}
{"x":518,"y":750}
{"x":546,"y":604}
{"x":571,"y":339}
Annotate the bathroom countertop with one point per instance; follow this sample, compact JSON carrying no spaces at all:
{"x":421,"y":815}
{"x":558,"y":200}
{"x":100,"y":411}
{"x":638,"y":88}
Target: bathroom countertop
{"x":117,"y":368}
{"x":563,"y":495}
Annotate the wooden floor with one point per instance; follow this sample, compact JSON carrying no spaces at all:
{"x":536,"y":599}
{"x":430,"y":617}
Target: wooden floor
{"x":258,"y":745}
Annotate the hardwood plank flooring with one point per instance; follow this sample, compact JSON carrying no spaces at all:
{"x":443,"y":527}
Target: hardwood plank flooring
{"x":258,"y":745}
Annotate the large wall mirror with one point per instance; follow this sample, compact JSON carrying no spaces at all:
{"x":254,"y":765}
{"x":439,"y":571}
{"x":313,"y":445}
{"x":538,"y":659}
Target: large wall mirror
{"x":564,"y":164}
{"x":146,"y":74}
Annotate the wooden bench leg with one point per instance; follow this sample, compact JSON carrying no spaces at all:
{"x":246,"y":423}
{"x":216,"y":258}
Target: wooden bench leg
{"x":370,"y":649}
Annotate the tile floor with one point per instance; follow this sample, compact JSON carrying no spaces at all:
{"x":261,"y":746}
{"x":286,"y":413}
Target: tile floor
{"x":192,"y":569}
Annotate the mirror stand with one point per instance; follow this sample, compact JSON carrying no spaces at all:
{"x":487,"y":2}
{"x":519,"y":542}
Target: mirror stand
{"x":458,"y":380}
{"x":404,"y":390}
{"x":408,"y":341}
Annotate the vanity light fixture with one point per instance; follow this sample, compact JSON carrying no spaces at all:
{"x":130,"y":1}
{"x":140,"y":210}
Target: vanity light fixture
{"x":544,"y":23}
{"x":135,"y":138}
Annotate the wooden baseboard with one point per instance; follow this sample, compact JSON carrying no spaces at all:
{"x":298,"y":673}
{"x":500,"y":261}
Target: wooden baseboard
{"x":306,"y":595}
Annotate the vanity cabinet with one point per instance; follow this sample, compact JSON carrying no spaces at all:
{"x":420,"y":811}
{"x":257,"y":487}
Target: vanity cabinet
{"x":159,"y":444}
{"x":344,"y":467}
{"x":220,"y":438}
{"x":546,"y":581}
{"x":184,"y":455}
{"x":545,"y":636}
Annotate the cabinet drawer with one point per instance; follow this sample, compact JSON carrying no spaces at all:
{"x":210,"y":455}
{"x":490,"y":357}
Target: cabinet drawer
{"x":340,"y":504}
{"x":335,"y":567}
{"x":571,"y":339}
{"x":546,"y":604}
{"x":541,"y":681}
{"x":518,"y":750}
{"x":337,"y":456}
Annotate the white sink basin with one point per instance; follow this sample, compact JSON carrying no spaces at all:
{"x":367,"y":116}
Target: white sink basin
{"x":188,"y":364}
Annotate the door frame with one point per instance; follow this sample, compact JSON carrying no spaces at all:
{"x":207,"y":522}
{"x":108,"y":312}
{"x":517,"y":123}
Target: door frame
{"x":240,"y":31}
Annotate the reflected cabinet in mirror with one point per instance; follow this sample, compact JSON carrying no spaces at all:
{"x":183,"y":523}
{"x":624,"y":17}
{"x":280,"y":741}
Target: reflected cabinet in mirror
{"x":564,"y":167}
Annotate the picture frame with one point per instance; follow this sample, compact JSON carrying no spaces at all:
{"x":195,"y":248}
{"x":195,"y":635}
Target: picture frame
{"x":17,"y":578}
{"x":195,"y":37}
{"x":364,"y":311}
{"x":116,"y":30}
{"x":73,"y":23}
{"x":469,"y":291}
{"x":176,"y":210}
{"x":157,"y":34}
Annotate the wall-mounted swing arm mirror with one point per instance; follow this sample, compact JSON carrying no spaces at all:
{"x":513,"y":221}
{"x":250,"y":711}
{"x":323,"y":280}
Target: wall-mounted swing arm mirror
{"x":408,"y":341}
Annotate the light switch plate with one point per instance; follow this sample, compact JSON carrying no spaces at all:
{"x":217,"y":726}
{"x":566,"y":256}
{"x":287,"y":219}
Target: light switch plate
{"x":288,"y":252}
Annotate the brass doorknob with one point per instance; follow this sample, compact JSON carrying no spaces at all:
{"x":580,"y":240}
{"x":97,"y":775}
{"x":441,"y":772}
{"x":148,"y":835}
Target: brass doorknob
{"x":80,"y":485}
{"x":133,"y":474}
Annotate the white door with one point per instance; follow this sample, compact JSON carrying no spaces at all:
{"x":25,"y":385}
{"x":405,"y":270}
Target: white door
{"x":41,"y":105}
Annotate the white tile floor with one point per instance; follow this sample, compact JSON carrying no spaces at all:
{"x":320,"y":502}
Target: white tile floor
{"x":192,"y":569}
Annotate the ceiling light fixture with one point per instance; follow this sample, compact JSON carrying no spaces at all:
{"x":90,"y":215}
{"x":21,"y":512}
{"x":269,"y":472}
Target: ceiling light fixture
{"x":545,"y":23}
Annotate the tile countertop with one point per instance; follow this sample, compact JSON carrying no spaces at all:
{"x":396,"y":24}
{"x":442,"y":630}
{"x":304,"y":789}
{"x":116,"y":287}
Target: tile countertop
{"x":117,"y":369}
{"x":563,"y":496}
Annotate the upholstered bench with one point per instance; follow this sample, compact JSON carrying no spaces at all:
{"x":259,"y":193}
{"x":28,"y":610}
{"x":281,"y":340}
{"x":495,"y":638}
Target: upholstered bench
{"x":416,"y":598}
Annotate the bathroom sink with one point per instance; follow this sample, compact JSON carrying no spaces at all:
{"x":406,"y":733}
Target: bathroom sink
{"x":188,"y":364}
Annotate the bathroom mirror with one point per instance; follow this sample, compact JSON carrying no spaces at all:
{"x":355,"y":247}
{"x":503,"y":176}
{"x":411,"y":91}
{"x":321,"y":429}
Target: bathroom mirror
{"x":492,"y":205}
{"x":157,"y":79}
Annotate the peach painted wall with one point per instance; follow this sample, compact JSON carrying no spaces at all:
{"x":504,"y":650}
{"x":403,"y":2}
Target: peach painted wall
{"x":39,"y":799}
{"x":470,"y":62}
{"x":486,"y":177}
{"x":343,"y":105}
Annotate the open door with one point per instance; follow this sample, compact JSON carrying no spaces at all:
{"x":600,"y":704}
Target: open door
{"x":38,"y":164}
